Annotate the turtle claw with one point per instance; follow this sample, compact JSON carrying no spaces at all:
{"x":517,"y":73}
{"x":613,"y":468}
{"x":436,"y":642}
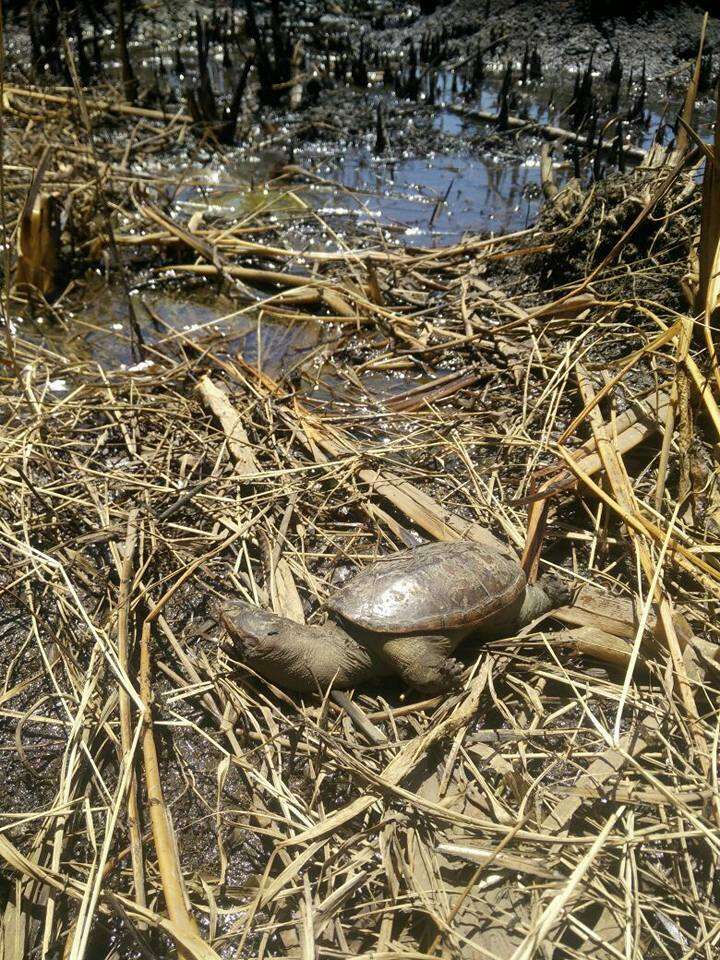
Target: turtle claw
{"x":454,"y":671}
{"x":448,"y":675}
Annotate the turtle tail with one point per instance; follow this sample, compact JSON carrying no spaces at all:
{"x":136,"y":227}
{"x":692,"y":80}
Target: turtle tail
{"x":546,"y":594}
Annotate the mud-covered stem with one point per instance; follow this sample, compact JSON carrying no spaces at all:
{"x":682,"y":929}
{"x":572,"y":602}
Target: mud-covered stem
{"x":128,"y":77}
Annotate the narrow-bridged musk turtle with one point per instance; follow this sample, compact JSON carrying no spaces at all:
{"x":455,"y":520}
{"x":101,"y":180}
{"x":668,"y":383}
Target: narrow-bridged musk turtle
{"x":403,"y":614}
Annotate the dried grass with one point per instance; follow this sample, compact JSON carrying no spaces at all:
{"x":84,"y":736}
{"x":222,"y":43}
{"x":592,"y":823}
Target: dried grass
{"x":565,"y":803}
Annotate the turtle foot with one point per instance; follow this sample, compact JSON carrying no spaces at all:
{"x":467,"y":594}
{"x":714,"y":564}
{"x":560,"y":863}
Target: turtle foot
{"x":442,"y":677}
{"x":454,"y":670}
{"x":423,"y":663}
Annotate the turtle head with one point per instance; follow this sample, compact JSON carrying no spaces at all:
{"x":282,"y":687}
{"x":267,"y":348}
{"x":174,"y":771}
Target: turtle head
{"x":266,"y":643}
{"x":547,"y":593}
{"x":247,"y":626}
{"x":298,"y":656}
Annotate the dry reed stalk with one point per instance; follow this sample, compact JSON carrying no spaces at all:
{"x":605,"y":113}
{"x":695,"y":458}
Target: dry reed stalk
{"x":708,"y":292}
{"x":176,"y":900}
{"x":691,"y":95}
{"x":124,"y":595}
{"x":620,"y":483}
{"x":551,"y":913}
{"x":99,"y":104}
{"x":7,"y":332}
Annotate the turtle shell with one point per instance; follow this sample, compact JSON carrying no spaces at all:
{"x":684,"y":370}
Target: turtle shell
{"x":433,"y":588}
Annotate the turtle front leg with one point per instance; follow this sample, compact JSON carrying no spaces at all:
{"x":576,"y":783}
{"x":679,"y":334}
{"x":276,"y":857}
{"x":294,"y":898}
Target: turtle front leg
{"x":424,"y":662}
{"x":305,"y":658}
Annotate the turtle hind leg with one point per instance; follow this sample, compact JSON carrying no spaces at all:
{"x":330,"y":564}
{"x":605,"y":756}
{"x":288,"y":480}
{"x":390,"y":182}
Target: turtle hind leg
{"x":424,"y":663}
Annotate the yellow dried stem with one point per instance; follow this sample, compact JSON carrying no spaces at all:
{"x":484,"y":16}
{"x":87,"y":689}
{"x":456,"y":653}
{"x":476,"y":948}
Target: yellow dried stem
{"x":38,"y":243}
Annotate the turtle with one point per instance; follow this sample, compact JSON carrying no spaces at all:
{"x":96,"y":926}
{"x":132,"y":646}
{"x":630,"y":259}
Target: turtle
{"x":403,"y":614}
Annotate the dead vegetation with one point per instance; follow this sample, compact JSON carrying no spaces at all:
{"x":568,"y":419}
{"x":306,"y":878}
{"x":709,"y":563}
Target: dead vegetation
{"x":160,"y":798}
